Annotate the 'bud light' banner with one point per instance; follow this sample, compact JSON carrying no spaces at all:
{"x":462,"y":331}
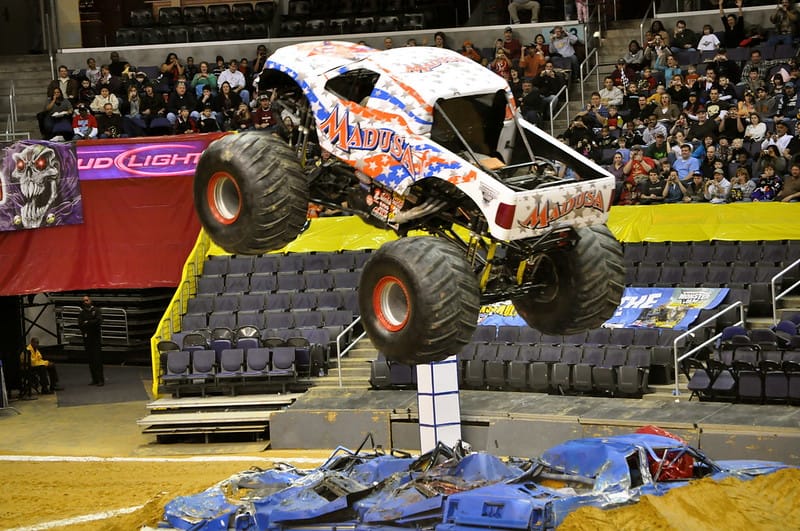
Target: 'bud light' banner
{"x":664,"y":307}
{"x":39,"y":186}
{"x":169,"y":157}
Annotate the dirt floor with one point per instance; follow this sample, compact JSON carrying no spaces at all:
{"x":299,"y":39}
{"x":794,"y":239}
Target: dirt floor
{"x":64,"y":464}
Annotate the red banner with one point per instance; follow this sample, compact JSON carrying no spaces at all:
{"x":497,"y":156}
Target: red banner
{"x":137,"y":233}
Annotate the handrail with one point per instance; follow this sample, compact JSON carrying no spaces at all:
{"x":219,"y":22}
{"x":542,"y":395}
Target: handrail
{"x":641,"y":25}
{"x":690,"y":333}
{"x":777,"y":297}
{"x":348,"y":348}
{"x":593,"y":54}
{"x":565,"y":105}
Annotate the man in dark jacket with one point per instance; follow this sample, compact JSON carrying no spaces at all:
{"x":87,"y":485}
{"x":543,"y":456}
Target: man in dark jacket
{"x":89,"y":321}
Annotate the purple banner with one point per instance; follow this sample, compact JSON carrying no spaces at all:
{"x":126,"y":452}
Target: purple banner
{"x":168,"y":157}
{"x":39,"y":186}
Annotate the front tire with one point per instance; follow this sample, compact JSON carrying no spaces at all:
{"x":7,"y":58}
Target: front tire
{"x":584,"y":285}
{"x":250,"y":193}
{"x":419,"y":300}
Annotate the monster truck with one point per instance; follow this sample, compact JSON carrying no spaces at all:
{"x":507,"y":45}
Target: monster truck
{"x":423,"y":139}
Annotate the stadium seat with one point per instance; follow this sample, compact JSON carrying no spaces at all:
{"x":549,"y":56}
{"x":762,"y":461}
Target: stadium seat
{"x":127,"y":37}
{"x":219,"y":14}
{"x":193,"y":15}
{"x":142,"y":17}
{"x":170,"y":16}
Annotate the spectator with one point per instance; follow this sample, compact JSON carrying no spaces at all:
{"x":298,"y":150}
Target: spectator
{"x":69,"y":87}
{"x":686,"y":165}
{"x":107,"y":79}
{"x":655,"y":54}
{"x":752,"y":82}
{"x":614,"y":121}
{"x":702,"y":128}
{"x":469,"y":51}
{"x":708,"y":41}
{"x":549,"y":83}
{"x":638,"y":166}
{"x":109,"y":123}
{"x":652,"y":129}
{"x":57,"y":110}
{"x":219,"y":66}
{"x":241,"y":119}
{"x":228,"y":105}
{"x":634,"y":57}
{"x":244,"y":68}
{"x":733,"y":26}
{"x":741,"y":187}
{"x":532,"y":60}
{"x":86,"y":92}
{"x":766,"y":105}
{"x":667,"y":112}
{"x":747,"y":105}
{"x":388,"y":43}
{"x":171,"y":71}
{"x":630,"y":106}
{"x":526,"y":5}
{"x":683,"y":39}
{"x":138,"y":82}
{"x":265,"y":119}
{"x":515,"y":82}
{"x":731,"y":126}
{"x":579,"y":136}
{"x":530,"y":102}
{"x":691,"y":77}
{"x":611,"y":94}
{"x":184,"y":123}
{"x":629,"y":195}
{"x":709,"y":160}
{"x":116,"y":65}
{"x":84,"y":125}
{"x":785,"y":19}
{"x":259,"y":62}
{"x":717,"y":188}
{"x":561,"y":44}
{"x":695,"y":189}
{"x":677,"y":91}
{"x":616,"y":169}
{"x":151,"y":106}
{"x":623,"y":75}
{"x":204,"y":77}
{"x":236,"y":80}
{"x":676,"y":139}
{"x":726,"y":91}
{"x":761,"y":65}
{"x":191,"y":69}
{"x":706,"y":83}
{"x":500,"y":65}
{"x":674,"y":191}
{"x":130,"y":109}
{"x":652,"y":189}
{"x":289,"y":132}
{"x":631,"y":136}
{"x":659,"y":149}
{"x":180,"y":97}
{"x":540,"y":43}
{"x":790,"y":192}
{"x":98,"y":104}
{"x":780,"y":138}
{"x":787,"y":101}
{"x":511,"y":46}
{"x":44,"y":370}
{"x":208,"y":122}
{"x":92,"y":72}
{"x":605,"y":140}
{"x":770,"y":156}
{"x":768,"y":186}
{"x":724,"y":66}
{"x":440,"y":40}
{"x":715,"y":106}
{"x":647,"y":83}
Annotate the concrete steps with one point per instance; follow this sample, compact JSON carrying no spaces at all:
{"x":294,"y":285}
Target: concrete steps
{"x":355,"y":368}
{"x":30,"y":75}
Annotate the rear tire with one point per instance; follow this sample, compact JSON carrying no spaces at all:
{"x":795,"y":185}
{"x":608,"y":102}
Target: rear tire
{"x":419,"y":300}
{"x":250,"y":193}
{"x":585,"y":285}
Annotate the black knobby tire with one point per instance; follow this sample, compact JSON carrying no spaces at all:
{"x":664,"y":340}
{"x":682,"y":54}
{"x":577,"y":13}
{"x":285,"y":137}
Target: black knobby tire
{"x":587,"y":285}
{"x":250,"y":193}
{"x":419,"y":299}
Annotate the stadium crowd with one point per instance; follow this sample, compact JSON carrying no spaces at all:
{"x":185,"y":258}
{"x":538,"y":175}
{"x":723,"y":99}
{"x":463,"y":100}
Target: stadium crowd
{"x":690,"y":115}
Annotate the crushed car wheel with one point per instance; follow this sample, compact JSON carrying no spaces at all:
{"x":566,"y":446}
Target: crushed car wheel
{"x":582,"y":286}
{"x":250,"y":193}
{"x":419,"y":299}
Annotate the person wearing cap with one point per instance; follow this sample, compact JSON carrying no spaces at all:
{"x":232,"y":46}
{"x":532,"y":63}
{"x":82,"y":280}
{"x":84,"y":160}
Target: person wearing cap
{"x":264,"y":118}
{"x":695,"y":189}
{"x":787,"y":100}
{"x":532,"y":60}
{"x":716,"y":189}
{"x":659,"y":149}
{"x":84,"y":124}
{"x":780,"y":138}
{"x":514,"y":6}
{"x":686,"y":164}
{"x":511,"y":45}
{"x":469,"y":51}
{"x":623,"y":74}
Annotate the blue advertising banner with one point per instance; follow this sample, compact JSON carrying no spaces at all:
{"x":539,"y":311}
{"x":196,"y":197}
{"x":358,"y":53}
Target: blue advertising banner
{"x":664,"y":307}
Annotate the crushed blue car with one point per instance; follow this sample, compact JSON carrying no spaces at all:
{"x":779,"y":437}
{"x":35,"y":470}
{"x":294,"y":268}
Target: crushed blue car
{"x":452,"y":489}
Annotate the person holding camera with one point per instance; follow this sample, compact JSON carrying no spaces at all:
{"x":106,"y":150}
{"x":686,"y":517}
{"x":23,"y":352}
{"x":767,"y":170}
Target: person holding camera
{"x":561,"y":43}
{"x":674,"y":190}
{"x":532,"y":60}
{"x":716,"y":189}
{"x":785,"y":19}
{"x":638,"y":166}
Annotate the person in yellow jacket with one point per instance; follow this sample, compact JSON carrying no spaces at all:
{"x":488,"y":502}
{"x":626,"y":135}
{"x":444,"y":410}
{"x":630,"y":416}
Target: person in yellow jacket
{"x":45,"y":370}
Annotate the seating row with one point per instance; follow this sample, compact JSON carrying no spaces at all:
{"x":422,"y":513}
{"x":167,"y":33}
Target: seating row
{"x":215,"y":13}
{"x":337,"y":25}
{"x":277,"y":282}
{"x":199,"y":33}
{"x":695,"y":274}
{"x":200,"y":370}
{"x":749,"y":252}
{"x":523,"y":335}
{"x":332,"y":321}
{"x":292,"y":262}
{"x":759,"y":376}
{"x":207,"y":304}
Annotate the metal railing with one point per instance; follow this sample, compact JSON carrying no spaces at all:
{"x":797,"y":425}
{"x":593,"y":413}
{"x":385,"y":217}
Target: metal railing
{"x":650,"y":9}
{"x":348,"y":347}
{"x":778,"y":296}
{"x":590,"y":65}
{"x":691,"y":333}
{"x":564,"y":106}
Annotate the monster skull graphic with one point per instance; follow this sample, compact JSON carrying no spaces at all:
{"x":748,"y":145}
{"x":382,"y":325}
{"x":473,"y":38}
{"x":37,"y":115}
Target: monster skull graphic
{"x":37,"y":169}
